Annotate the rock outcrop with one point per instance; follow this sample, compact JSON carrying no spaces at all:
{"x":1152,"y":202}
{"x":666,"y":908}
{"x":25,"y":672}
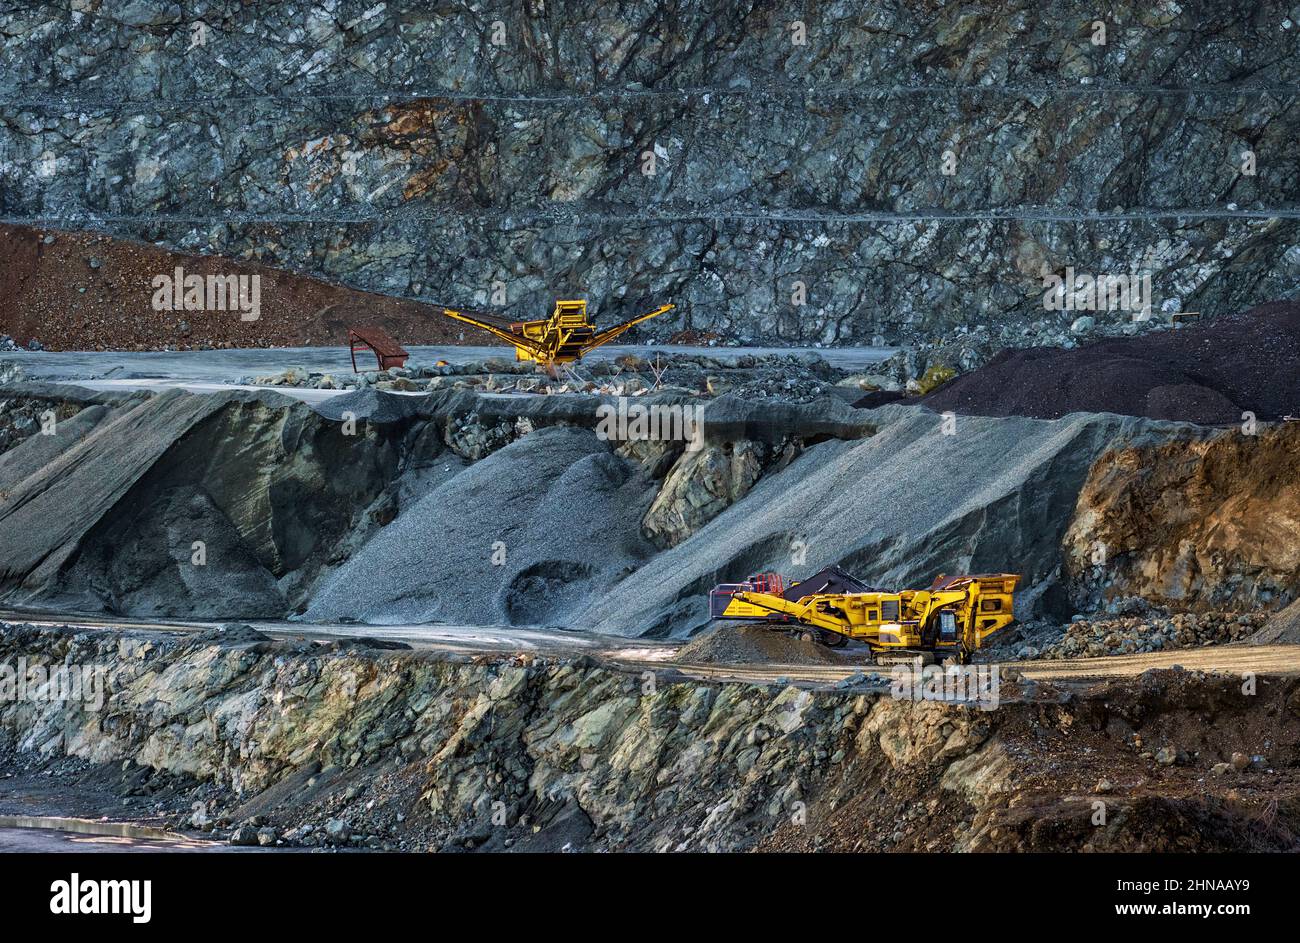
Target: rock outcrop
{"x":1207,"y":521}
{"x":704,"y":483}
{"x":914,"y":169}
{"x":338,"y":745}
{"x":22,"y":417}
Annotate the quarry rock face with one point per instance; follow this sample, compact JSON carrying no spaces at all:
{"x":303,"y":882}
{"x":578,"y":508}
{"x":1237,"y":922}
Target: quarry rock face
{"x":1203,"y":523}
{"x":480,"y":600}
{"x":635,"y":766}
{"x":755,"y":170}
{"x":342,"y":747}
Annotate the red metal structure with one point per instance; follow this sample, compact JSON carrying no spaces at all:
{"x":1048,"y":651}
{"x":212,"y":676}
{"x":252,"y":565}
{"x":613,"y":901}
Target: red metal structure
{"x":828,"y":580}
{"x":387,"y":351}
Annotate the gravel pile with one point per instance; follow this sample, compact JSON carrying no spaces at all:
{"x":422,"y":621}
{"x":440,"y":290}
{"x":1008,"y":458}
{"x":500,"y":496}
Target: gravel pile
{"x":58,"y":495}
{"x":1208,"y":374}
{"x":894,"y":509}
{"x":789,"y":378}
{"x":1283,"y":627}
{"x":737,"y":643}
{"x":521,"y":537}
{"x":1129,"y":635}
{"x":790,"y":389}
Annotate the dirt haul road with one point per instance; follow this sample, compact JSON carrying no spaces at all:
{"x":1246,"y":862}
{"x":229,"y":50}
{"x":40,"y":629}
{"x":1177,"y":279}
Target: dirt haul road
{"x":226,"y":366}
{"x":1276,"y":660}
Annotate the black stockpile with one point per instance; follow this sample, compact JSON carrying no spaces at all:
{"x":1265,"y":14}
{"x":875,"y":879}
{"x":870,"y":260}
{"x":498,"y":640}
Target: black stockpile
{"x":1208,"y":374}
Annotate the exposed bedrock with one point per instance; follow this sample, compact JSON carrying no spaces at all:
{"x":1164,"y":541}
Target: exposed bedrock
{"x":704,"y":483}
{"x":867,"y":151}
{"x":333,"y":745}
{"x":1211,"y":521}
{"x":148,"y":50}
{"x":436,"y":154}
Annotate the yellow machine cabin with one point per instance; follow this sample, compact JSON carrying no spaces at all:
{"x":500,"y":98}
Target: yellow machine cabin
{"x":953,"y":617}
{"x":562,"y":338}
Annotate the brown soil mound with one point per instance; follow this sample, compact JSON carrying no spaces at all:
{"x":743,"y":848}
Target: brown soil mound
{"x":1206,"y":374}
{"x":87,"y":291}
{"x":1196,"y":524}
{"x":738,"y":644}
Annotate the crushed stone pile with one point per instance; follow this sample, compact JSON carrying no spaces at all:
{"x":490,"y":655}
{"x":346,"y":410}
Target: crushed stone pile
{"x":105,"y":514}
{"x":801,"y":378}
{"x":436,"y":483}
{"x":171,"y":505}
{"x":521,"y":537}
{"x":1207,"y":374}
{"x":741,"y":644}
{"x":54,"y":500}
{"x":1130,"y":635}
{"x":894,"y":509}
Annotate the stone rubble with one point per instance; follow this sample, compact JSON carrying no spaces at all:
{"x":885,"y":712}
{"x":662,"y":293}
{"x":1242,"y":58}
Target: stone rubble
{"x":1092,"y":637}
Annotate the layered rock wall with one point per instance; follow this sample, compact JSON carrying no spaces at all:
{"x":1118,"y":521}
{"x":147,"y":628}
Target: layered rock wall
{"x":912,"y":170}
{"x":337,"y":745}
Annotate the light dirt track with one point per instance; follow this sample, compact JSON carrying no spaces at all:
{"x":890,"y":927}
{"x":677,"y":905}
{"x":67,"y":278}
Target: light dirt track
{"x":1229,"y":659}
{"x":634,"y":653}
{"x":461,"y":639}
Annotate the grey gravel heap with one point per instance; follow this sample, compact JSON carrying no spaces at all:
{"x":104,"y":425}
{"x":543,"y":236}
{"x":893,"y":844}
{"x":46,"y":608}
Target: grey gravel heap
{"x":523,"y":536}
{"x":895,"y":509}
